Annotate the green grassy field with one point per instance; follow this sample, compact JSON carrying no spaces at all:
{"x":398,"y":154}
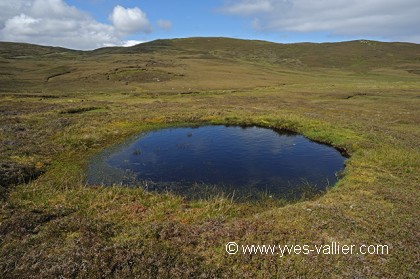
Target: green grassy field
{"x":58,"y":108}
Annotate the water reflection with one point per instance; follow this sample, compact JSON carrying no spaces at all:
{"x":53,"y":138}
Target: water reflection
{"x":245,"y":160}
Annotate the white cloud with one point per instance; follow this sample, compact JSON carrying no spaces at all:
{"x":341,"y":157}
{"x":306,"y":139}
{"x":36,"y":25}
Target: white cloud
{"x":378,"y":18}
{"x":55,"y":9}
{"x":247,"y":7}
{"x":127,"y":43}
{"x":164,"y":24}
{"x":130,"y":20}
{"x":54,"y":22}
{"x":130,"y":43}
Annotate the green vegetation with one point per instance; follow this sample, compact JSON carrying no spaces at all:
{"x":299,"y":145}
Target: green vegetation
{"x":59,"y":107}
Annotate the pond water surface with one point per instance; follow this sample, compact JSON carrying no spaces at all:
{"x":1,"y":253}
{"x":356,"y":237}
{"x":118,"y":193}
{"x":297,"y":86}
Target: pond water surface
{"x":240,"y":161}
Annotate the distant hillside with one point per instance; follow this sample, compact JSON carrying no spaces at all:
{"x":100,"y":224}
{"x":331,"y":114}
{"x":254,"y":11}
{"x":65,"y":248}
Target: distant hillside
{"x":16,"y":50}
{"x":358,"y":54}
{"x":187,"y":65}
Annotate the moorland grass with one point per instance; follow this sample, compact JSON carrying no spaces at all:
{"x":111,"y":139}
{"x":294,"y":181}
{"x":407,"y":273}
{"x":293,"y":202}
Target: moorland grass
{"x":55,"y":225}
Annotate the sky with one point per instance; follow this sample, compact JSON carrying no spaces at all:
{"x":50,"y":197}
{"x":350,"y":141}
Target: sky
{"x":91,"y":24}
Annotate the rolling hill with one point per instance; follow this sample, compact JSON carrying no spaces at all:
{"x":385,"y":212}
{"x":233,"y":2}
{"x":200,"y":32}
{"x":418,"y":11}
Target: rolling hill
{"x":201,"y":61}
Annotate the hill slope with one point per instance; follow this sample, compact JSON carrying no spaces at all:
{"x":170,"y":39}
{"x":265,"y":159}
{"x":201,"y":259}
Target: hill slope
{"x":22,"y":50}
{"x":203,"y":63}
{"x":361,"y":53}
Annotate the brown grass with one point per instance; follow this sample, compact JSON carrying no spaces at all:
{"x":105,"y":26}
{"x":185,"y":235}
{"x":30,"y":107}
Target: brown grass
{"x":56,"y":226}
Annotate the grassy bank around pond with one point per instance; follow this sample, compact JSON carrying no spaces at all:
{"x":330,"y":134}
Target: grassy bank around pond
{"x":53,"y":225}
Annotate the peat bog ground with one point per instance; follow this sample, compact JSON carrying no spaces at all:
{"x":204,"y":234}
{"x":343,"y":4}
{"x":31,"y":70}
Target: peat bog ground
{"x":59,"y":108}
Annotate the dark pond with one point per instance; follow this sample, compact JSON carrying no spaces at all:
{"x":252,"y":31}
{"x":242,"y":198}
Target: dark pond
{"x":243,"y":161}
